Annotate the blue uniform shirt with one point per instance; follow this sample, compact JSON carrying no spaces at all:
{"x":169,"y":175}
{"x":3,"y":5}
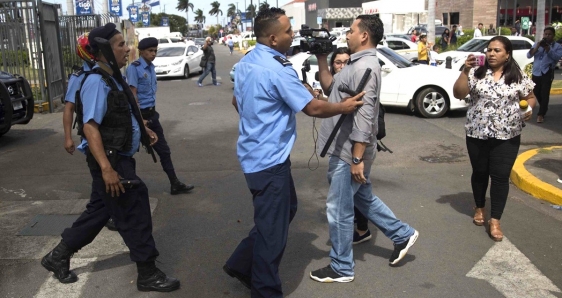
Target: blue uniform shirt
{"x":268,"y":95}
{"x":74,"y":83}
{"x":94,"y":101}
{"x":545,"y":61}
{"x":142,"y":76}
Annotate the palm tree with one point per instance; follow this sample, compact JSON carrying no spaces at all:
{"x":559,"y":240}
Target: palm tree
{"x":251,"y":13}
{"x":231,"y":12}
{"x":185,"y":5}
{"x":264,"y":5}
{"x":215,"y":10}
{"x":199,"y":17}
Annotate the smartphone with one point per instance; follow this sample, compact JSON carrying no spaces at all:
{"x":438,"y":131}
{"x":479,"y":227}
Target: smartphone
{"x":480,"y":59}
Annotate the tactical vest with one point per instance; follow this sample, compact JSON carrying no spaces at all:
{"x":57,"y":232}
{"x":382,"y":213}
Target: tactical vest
{"x":116,"y":128}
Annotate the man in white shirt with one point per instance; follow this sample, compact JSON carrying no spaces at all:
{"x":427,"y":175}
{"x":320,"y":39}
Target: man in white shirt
{"x":478,"y":31}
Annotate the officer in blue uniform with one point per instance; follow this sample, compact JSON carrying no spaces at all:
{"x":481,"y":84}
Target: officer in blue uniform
{"x":142,"y":81}
{"x":267,"y":132}
{"x":110,"y":137}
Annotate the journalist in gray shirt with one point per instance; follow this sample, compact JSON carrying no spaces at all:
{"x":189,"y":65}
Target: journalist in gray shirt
{"x":363,"y":126}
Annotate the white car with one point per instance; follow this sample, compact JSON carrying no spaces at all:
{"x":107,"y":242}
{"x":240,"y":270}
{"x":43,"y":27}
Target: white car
{"x":427,"y":90}
{"x":521,"y":45}
{"x":177,"y":60}
{"x":406,"y":48}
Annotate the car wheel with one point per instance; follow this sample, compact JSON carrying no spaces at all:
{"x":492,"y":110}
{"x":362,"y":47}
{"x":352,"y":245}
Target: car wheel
{"x":431,"y":103}
{"x":186,"y":72}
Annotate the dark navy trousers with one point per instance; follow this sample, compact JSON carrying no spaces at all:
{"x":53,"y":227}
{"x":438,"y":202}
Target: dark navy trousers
{"x":161,"y":147}
{"x":259,"y":254}
{"x":130,"y":211}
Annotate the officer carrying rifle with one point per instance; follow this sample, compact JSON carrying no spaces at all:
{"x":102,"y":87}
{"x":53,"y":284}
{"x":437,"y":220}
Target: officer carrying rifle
{"x":111,"y":127}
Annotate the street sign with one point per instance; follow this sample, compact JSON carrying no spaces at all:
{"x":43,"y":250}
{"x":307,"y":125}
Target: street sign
{"x":525,"y":23}
{"x":319,"y":20}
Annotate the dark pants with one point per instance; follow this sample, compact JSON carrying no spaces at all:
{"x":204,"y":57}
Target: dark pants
{"x":275,"y":205}
{"x":209,"y":68}
{"x":161,"y":147}
{"x":542,"y":90}
{"x":492,"y":158}
{"x":362,"y":221}
{"x":423,"y":62}
{"x":130,"y":211}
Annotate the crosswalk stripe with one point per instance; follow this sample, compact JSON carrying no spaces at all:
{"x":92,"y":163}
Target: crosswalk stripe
{"x":53,"y":288}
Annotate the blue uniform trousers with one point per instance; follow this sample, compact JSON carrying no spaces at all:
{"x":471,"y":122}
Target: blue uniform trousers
{"x":161,"y":147}
{"x":275,"y":205}
{"x":130,"y":211}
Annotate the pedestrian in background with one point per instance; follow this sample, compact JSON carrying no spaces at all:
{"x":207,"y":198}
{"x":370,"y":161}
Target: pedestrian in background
{"x":141,"y":78}
{"x":493,"y":125}
{"x":517,"y":28}
{"x":546,"y":54}
{"x":208,"y":62}
{"x":478,"y":30}
{"x":267,"y":103}
{"x":423,"y":50}
{"x":445,"y":37}
{"x":352,"y":154}
{"x":491,"y":30}
{"x":230,"y":43}
{"x":453,"y":37}
{"x":414,"y":36}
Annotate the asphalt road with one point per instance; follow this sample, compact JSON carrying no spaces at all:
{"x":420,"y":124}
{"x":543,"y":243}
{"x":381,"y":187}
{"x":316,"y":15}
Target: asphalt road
{"x":426,"y":182}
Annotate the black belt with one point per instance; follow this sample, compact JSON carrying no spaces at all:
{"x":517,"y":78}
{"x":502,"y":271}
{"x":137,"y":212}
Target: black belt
{"x":148,"y":112}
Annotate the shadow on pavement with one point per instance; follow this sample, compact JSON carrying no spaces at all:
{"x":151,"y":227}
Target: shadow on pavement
{"x":461,"y":202}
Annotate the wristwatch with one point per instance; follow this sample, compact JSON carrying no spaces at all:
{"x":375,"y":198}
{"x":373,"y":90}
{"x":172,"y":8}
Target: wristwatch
{"x":356,"y":160}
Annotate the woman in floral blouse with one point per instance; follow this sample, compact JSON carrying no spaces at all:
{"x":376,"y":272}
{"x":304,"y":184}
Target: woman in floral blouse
{"x":493,"y":124}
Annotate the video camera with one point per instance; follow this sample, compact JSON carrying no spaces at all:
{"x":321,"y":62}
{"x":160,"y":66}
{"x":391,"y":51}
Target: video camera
{"x":318,"y":43}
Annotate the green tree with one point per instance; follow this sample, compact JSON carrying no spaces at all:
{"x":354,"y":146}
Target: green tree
{"x":251,"y":13}
{"x":177,"y":23}
{"x":185,"y":5}
{"x":215,"y":10}
{"x":199,"y":17}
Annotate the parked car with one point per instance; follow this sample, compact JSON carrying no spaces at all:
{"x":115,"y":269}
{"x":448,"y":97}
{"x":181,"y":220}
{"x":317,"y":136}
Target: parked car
{"x":521,"y":45}
{"x":199,"y":42}
{"x":423,"y":29}
{"x":16,"y":101}
{"x":177,"y":60}
{"x":398,"y":35}
{"x":427,"y":90}
{"x":168,"y":40}
{"x":403,"y":47}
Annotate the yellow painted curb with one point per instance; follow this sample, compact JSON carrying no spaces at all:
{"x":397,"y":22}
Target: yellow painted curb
{"x":531,"y":184}
{"x":555,"y":91}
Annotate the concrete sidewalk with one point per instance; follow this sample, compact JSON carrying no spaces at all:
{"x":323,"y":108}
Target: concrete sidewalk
{"x":537,"y":171}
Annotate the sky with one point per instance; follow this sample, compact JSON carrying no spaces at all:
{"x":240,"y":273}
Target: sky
{"x":169,"y":6}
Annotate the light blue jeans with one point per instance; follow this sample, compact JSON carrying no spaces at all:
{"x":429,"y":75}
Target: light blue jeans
{"x":209,"y":68}
{"x":343,"y":195}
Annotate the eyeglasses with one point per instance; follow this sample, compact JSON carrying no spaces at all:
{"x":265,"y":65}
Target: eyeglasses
{"x":338,"y":63}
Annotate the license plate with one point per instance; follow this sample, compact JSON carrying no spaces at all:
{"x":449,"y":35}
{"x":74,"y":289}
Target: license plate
{"x":17,"y":105}
{"x":158,"y":70}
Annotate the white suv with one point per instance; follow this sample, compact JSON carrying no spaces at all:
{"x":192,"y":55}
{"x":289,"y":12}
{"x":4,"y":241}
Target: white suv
{"x":521,"y":46}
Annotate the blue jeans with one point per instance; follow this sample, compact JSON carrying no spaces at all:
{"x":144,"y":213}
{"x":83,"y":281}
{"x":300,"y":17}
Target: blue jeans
{"x":343,"y":195}
{"x":209,"y":67}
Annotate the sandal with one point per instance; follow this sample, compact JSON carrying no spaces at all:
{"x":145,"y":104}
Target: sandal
{"x":495,"y":230}
{"x":478,"y":218}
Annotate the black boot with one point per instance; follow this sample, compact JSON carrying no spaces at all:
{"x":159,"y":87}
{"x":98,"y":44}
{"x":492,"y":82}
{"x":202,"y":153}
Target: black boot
{"x":153,"y":279}
{"x":178,"y":187}
{"x":58,"y":262}
{"x":110,"y":225}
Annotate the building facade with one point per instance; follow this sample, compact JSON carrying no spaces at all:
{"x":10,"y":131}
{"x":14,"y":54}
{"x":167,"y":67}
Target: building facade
{"x":295,"y":11}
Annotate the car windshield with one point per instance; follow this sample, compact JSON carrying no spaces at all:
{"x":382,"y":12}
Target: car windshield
{"x":398,"y":60}
{"x":474,"y":45}
{"x":170,"y":52}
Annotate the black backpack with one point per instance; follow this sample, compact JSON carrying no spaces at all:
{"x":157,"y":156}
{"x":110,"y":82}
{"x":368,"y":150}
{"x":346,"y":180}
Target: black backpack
{"x":381,"y":133}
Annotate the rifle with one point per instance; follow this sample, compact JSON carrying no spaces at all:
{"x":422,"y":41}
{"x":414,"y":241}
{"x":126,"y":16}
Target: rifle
{"x":107,"y":52}
{"x":359,"y":89}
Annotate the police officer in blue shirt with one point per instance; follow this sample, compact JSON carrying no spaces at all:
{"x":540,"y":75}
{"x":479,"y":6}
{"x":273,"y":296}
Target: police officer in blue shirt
{"x":142,"y":81}
{"x":546,"y":53}
{"x":267,"y":95}
{"x":110,"y":137}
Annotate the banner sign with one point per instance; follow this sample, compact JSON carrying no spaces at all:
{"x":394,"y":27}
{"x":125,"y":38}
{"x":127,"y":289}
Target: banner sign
{"x":84,"y":7}
{"x":145,"y":17}
{"x":133,"y":13}
{"x":115,"y":7}
{"x":165,"y":22}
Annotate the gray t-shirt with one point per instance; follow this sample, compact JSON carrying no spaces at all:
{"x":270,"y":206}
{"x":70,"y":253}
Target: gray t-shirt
{"x":362,"y":125}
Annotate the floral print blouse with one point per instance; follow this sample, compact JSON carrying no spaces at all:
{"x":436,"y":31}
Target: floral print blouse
{"x":493,"y":110}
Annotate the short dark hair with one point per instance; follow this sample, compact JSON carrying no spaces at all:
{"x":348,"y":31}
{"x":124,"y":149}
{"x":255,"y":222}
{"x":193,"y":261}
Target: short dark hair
{"x":373,"y":26}
{"x":511,"y":70}
{"x":551,"y":29}
{"x":266,"y":19}
{"x":480,"y":24}
{"x":454,"y":26}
